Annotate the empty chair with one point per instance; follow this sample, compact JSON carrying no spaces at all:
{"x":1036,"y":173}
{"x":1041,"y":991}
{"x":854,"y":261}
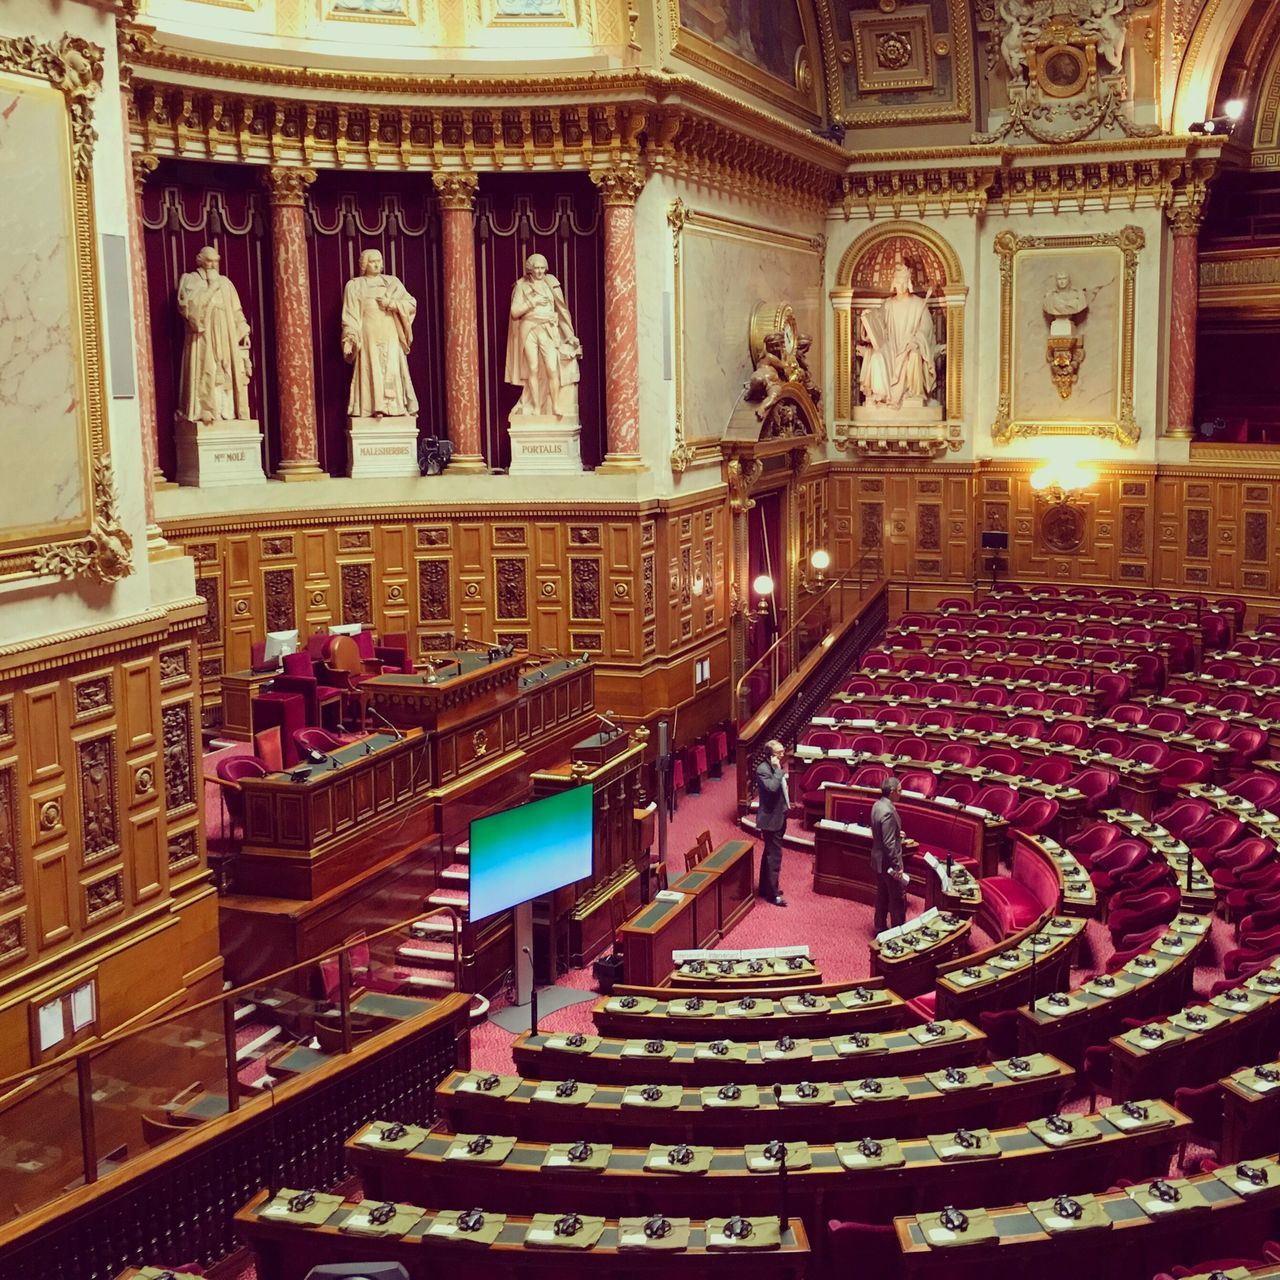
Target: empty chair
{"x":1029,"y":700}
{"x":860,"y":686}
{"x":954,"y":667}
{"x":1185,"y":769}
{"x":1034,"y":816}
{"x":979,"y":723}
{"x":1065,"y":651}
{"x":961,"y":753}
{"x":877,"y":660}
{"x":1217,"y":833}
{"x":907,"y":641}
{"x":997,"y":671}
{"x":870,"y":775}
{"x":988,"y":646}
{"x":1210,"y":730}
{"x":823,"y":739}
{"x":1221,"y":669}
{"x":1185,"y":816}
{"x":1107,"y":866}
{"x":1184,"y":693}
{"x":871,"y":744}
{"x":1069,"y":733}
{"x":903,"y":689}
{"x":1258,"y":789}
{"x":1089,"y":842}
{"x":1026,"y":648}
{"x":1025,"y":727}
{"x":1155,"y":754}
{"x":1128,"y":713}
{"x":1111,"y":745}
{"x":230,"y":772}
{"x":1098,"y":631}
{"x":949,"y":644}
{"x":997,"y":799}
{"x":811,"y":781}
{"x":950,"y":603}
{"x":917,"y":620}
{"x":1168,"y":721}
{"x":1235,"y":700}
{"x":916,"y":664}
{"x":309,"y":740}
{"x":1097,"y":786}
{"x":1130,"y":914}
{"x":1053,"y":770}
{"x":991,"y":695}
{"x":1105,"y":653}
{"x":961,"y":790}
{"x":1263,"y":677}
{"x":1246,"y":744}
{"x":1037,"y":672}
{"x":937,"y":717}
{"x":1111,"y":687}
{"x":911,"y":749}
{"x":919,"y":782}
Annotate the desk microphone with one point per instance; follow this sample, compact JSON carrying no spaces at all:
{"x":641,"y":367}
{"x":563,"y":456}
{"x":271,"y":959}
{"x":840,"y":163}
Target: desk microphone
{"x":381,"y":719}
{"x":783,"y":1210}
{"x":605,"y":719}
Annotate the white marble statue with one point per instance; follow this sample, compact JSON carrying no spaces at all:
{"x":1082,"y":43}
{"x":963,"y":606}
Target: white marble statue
{"x":1064,"y":304}
{"x":542,"y":348}
{"x":377,"y":332}
{"x":1106,"y":20}
{"x":216,"y":361}
{"x":1018,"y":18}
{"x":899,"y":352}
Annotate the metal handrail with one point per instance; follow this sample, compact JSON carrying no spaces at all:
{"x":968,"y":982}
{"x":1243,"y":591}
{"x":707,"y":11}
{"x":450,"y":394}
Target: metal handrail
{"x":839,"y":581}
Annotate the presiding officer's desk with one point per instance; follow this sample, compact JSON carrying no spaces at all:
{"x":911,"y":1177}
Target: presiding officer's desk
{"x":865,"y":1053}
{"x":1215,"y":1214}
{"x":858,"y":1106}
{"x":315,"y":826}
{"x":285,"y":1251}
{"x":825,"y":1180}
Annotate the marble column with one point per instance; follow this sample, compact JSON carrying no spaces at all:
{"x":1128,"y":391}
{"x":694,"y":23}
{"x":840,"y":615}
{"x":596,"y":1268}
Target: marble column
{"x":457,"y":192}
{"x":295,"y":374}
{"x":620,"y":186}
{"x":1185,"y":294}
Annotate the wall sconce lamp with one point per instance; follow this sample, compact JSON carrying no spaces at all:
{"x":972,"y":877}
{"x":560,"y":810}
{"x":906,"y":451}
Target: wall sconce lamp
{"x":1059,"y":483}
{"x":762,"y":589}
{"x":1232,"y":113}
{"x":819,"y":562}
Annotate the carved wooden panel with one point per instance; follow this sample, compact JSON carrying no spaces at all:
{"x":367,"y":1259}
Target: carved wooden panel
{"x":357,"y":592}
{"x":92,"y":696}
{"x":184,"y":851}
{"x":929,"y":525}
{"x":1133,"y":530}
{"x":510,"y":587}
{"x":871,"y":525}
{"x":13,"y":939}
{"x":99,"y":822}
{"x":10,"y":857}
{"x":1197,"y":540}
{"x":1257,"y":535}
{"x":433,"y":590}
{"x":277,"y":589}
{"x":179,"y":782}
{"x":211,"y":630}
{"x":104,"y":897}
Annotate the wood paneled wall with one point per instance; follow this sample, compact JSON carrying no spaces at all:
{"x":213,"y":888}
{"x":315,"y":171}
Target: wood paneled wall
{"x":620,"y":584}
{"x":1202,"y":527}
{"x":102,"y":852}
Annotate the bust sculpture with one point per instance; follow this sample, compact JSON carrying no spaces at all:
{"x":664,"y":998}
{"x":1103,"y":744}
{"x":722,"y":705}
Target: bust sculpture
{"x":377,"y":332}
{"x":216,"y":361}
{"x":899,"y":351}
{"x":1064,"y":304}
{"x":542,"y":348}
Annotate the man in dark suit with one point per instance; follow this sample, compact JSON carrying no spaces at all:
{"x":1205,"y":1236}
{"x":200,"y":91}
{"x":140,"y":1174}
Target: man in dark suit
{"x":771,"y":820}
{"x":886,"y":858}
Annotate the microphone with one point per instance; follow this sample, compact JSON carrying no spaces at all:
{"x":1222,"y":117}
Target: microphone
{"x":377,"y":715}
{"x":533,"y":995}
{"x":783,"y":1209}
{"x":605,"y":719}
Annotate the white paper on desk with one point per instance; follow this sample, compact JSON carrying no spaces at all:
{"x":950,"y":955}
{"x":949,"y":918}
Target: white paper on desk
{"x":860,"y":724}
{"x":950,"y":801}
{"x":840,"y":753}
{"x":940,"y":870}
{"x":52,"y":1028}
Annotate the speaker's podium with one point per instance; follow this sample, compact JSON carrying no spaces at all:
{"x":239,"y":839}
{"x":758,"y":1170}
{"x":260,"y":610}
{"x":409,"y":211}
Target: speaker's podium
{"x":600,"y":748}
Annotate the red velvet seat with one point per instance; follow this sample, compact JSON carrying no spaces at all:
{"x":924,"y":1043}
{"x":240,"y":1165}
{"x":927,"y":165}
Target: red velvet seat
{"x":961,"y":753}
{"x":1185,"y":769}
{"x":1107,"y":866}
{"x":919,"y":782}
{"x":1247,"y":744}
{"x":962,"y":790}
{"x":1097,"y":786}
{"x":1012,"y":902}
{"x":1090,"y":842}
{"x":998,"y":799}
{"x":1110,"y":688}
{"x":1259,"y":789}
{"x":1025,"y":727}
{"x":231,"y":771}
{"x":285,"y":711}
{"x":1054,"y":770}
{"x":1128,"y":713}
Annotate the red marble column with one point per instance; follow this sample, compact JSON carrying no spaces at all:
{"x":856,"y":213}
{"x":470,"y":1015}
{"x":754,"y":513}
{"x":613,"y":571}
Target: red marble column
{"x":295,"y":375}
{"x":461,"y":319}
{"x":1185,"y":286}
{"x":619,"y":188}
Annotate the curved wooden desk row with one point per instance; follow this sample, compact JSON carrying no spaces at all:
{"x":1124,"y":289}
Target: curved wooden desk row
{"x":1089,"y":666}
{"x":1198,"y":1044}
{"x":825,"y":1180}
{"x":884,"y":680}
{"x":1065,"y":1023}
{"x":1244,"y":719}
{"x":1257,"y":822}
{"x":749,"y":1017}
{"x":858,"y":1105}
{"x":1219,"y":753}
{"x":1127,"y":649}
{"x":738,"y":975}
{"x":1187,"y":625}
{"x":718,"y":991}
{"x":1196,"y":884}
{"x":427,"y":1243}
{"x":1250,"y":1111}
{"x":601,"y":1060}
{"x":1215,"y":1213}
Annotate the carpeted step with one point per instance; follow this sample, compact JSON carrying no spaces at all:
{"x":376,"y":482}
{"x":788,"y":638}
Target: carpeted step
{"x":456,"y":873}
{"x":424,"y":953}
{"x":449,"y":898}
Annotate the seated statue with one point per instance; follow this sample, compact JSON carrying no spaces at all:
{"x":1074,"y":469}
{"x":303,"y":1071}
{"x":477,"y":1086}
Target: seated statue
{"x":899,"y":354}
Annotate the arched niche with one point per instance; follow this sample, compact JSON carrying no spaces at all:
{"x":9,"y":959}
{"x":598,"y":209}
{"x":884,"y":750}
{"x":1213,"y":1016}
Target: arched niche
{"x":1207,"y":48}
{"x":862,"y":280}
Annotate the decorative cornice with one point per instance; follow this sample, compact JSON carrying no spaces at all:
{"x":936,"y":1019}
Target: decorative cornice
{"x":144,"y":165}
{"x":286,"y":185}
{"x":106,"y":554}
{"x":620,"y":184}
{"x":457,"y":189}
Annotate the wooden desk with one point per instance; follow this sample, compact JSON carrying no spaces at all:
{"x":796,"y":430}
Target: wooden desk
{"x":1249,"y":1118}
{"x":722,"y":886}
{"x":650,"y":937}
{"x":1230,"y":1224}
{"x":240,"y":691}
{"x":829,"y":1058}
{"x":909,"y":962}
{"x":827,"y":1189}
{"x":306,"y":837}
{"x":285,"y":1252}
{"x":991,"y":1098}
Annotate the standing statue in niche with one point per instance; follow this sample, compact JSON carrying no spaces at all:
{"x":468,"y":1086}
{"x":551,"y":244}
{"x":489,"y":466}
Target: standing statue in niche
{"x":899,"y":351}
{"x":542,"y":349}
{"x":377,"y":332}
{"x":216,"y":361}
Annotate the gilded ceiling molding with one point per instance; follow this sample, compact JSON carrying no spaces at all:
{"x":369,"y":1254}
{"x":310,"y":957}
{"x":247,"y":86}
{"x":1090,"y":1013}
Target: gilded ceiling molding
{"x":591,"y":137}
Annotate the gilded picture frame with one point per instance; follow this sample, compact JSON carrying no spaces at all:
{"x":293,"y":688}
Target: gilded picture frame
{"x":1023,"y":361}
{"x":61,"y":516}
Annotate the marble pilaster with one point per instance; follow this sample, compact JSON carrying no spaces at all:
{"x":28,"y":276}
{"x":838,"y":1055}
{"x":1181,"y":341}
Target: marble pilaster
{"x":620,"y":186}
{"x":1185,"y":294}
{"x":295,"y":375}
{"x":461,"y":319}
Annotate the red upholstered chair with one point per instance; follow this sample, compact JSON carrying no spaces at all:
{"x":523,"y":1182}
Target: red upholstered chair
{"x":863,"y":1247}
{"x":1185,"y":769}
{"x":1067,"y":732}
{"x":1221,"y":669}
{"x":916,"y":664}
{"x":997,"y":671}
{"x":824,"y":739}
{"x":1216,"y":834}
{"x":1136,"y":947}
{"x":907,"y":641}
{"x":810,"y":788}
{"x":229,"y":772}
{"x":999,"y":799}
{"x":1155,"y":754}
{"x":961,"y":753}
{"x":305,"y":740}
{"x":1236,"y":700}
{"x":1131,"y":921}
{"x":1037,"y":671}
{"x":1257,"y":788}
{"x":1000,"y":1026}
{"x":1236,"y":605}
{"x":962,"y":790}
{"x":917,"y":620}
{"x":1107,"y":866}
{"x":1247,"y":744}
{"x":1067,"y":705}
{"x":903,"y":689}
{"x":920,"y":782}
{"x":991,"y":695}
{"x":860,"y":686}
{"x":1034,"y":816}
{"x":893,"y":716}
{"x":870,"y":775}
{"x":912,"y":749}
{"x":1006,"y":762}
{"x":323,"y":702}
{"x":877,"y":660}
{"x":1128,"y":713}
{"x":1240,"y":865}
{"x":937,"y":717}
{"x":1090,"y":841}
{"x":950,"y":604}
{"x":1052,"y":769}
{"x":954,"y":667}
{"x":1025,"y":727}
{"x":318,"y":646}
{"x":717,"y":751}
{"x":394,"y":653}
{"x":1203,"y":1107}
{"x":1168,"y":721}
{"x":1097,"y":786}
{"x":284,"y":711}
{"x":979,"y":723}
{"x":267,"y":747}
{"x":949,"y":644}
{"x":1111,"y":687}
{"x":871,"y":744}
{"x":1259,"y":923}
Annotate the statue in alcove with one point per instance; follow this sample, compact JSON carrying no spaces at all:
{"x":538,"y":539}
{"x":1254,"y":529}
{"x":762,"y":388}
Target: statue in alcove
{"x":898,"y":349}
{"x":216,"y":361}
{"x":377,"y":332}
{"x":542,"y":349}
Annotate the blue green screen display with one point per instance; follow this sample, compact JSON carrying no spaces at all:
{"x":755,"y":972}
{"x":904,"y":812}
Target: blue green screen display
{"x":530,"y":850}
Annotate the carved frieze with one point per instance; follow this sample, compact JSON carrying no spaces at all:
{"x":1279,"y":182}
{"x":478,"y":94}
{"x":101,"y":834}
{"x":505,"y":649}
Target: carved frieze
{"x":210,"y":631}
{"x":584,"y":535}
{"x":104,"y":897}
{"x":586,"y":642}
{"x":10,"y":866}
{"x":648,"y":573}
{"x":511,"y":590}
{"x":357,"y":592}
{"x":433,"y":590}
{"x":175,"y":665}
{"x":277,"y":546}
{"x":184,"y":851}
{"x":355,"y":540}
{"x":178,"y":781}
{"x":871,"y":526}
{"x":277,"y":586}
{"x":433,"y":536}
{"x":929,"y":526}
{"x":98,"y":823}
{"x":509,"y":535}
{"x":1257,"y":528}
{"x":1197,"y":545}
{"x":92,"y":697}
{"x":1133,"y":531}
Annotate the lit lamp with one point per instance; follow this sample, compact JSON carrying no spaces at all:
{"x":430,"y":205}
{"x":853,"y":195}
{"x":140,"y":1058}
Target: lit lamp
{"x":819,"y":562}
{"x":1232,"y":113}
{"x":1059,"y":483}
{"x":762,"y":589}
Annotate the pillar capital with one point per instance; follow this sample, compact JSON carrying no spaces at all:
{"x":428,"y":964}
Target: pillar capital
{"x":457,"y":189}
{"x":1186,"y":220}
{"x":287,"y":184}
{"x":144,"y":165}
{"x":621,"y":183}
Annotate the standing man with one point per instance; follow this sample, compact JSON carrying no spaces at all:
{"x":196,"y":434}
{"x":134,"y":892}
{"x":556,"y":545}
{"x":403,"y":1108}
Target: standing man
{"x":886,"y":859}
{"x":771,"y":819}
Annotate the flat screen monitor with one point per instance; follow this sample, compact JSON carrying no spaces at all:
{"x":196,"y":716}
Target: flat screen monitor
{"x":995,"y":540}
{"x":346,"y":628}
{"x":522,"y":853}
{"x":278,"y":644}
